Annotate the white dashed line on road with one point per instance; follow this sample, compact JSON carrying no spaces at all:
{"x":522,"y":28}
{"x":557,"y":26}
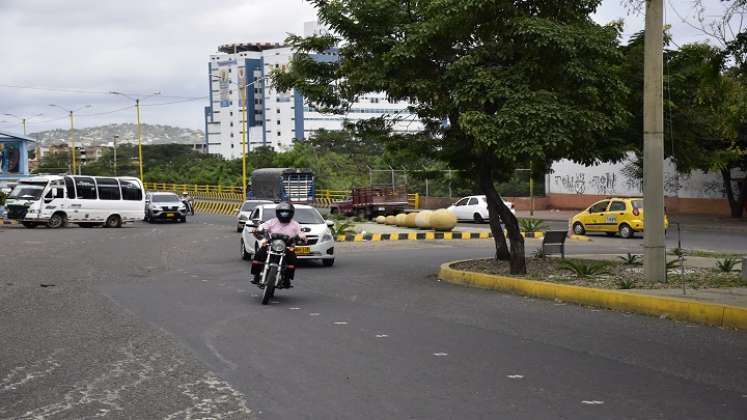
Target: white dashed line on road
{"x":592,"y":402}
{"x":340,"y":323}
{"x":382,"y":335}
{"x":314,"y":314}
{"x":440,"y":354}
{"x":515,"y":376}
{"x":293,"y":309}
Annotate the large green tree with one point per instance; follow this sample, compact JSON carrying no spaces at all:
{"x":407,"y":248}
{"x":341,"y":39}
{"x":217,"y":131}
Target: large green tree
{"x":497,"y":83}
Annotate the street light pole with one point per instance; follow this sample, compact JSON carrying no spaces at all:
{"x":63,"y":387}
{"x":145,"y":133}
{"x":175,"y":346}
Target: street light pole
{"x":71,"y":135}
{"x":139,"y":128}
{"x":23,"y":120}
{"x":654,"y":260}
{"x":115,"y":154}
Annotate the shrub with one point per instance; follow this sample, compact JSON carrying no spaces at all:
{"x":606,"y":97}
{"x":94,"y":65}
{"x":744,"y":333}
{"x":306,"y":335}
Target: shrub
{"x":626,"y":283}
{"x":727,"y":265}
{"x":539,"y":253}
{"x":631,"y":259}
{"x":343,"y":227}
{"x":531,"y":225}
{"x":582,"y":269}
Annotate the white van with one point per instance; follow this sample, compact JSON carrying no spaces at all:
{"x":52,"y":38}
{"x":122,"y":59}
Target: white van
{"x":88,"y":201}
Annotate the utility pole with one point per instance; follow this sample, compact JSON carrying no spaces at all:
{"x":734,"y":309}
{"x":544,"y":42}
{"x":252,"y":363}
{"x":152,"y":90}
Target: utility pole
{"x":115,"y":154}
{"x":22,"y":119}
{"x":654,"y":260}
{"x":71,"y":134}
{"x":139,"y":140}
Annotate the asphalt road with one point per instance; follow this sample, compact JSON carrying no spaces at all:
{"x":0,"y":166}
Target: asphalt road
{"x":159,"y":321}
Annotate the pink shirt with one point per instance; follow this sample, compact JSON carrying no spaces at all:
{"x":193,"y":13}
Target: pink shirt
{"x":291,"y":229}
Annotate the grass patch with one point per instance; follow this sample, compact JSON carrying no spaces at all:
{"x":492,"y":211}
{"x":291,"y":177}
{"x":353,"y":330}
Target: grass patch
{"x":703,"y":253}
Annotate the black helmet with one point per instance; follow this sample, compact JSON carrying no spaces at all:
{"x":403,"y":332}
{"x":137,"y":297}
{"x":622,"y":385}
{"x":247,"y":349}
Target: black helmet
{"x":284,"y":212}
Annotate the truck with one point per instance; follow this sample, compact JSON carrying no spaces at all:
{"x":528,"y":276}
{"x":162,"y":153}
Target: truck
{"x":295,"y":185}
{"x":369,"y":202}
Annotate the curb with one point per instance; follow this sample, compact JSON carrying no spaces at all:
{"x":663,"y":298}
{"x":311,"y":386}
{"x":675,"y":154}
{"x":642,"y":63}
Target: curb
{"x":8,"y":222}
{"x":432,"y":236}
{"x":726,"y":316}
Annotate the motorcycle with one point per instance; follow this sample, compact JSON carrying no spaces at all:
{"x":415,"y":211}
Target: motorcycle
{"x":275,"y":266}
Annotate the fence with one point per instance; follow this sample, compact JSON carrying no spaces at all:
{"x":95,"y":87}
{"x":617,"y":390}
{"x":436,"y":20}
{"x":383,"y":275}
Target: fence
{"x":221,"y":192}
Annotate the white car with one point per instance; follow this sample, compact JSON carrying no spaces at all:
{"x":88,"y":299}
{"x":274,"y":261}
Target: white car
{"x":475,"y":208}
{"x":320,"y":241}
{"x":246,"y":211}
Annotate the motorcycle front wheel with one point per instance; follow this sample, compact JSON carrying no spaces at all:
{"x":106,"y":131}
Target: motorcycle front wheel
{"x":271,"y":278}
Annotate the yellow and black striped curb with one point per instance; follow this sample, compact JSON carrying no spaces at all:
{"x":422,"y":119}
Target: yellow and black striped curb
{"x":682,"y":309}
{"x":8,"y":222}
{"x":431,"y":236}
{"x":217,"y":207}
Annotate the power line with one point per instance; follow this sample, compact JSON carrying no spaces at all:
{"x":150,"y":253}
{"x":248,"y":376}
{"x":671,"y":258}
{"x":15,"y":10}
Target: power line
{"x":84,"y":91}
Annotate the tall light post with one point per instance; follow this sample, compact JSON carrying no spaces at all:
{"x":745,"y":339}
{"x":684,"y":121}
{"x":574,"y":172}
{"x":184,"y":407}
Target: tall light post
{"x":244,"y":132}
{"x":654,"y":260}
{"x":22,"y":119}
{"x":71,"y":135}
{"x":139,"y":128}
{"x":115,"y":154}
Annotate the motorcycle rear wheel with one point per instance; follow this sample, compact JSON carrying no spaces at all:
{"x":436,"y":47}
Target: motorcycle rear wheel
{"x":271,"y":278}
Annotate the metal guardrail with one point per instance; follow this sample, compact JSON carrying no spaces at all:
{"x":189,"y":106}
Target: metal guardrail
{"x":223,"y":192}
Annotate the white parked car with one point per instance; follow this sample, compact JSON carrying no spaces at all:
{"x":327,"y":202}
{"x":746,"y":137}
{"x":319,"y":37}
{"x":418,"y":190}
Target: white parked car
{"x":320,"y":241}
{"x":245,"y":211}
{"x":475,"y":208}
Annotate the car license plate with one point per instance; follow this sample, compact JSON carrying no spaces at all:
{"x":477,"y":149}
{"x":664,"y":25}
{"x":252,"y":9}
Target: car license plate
{"x":303,"y":250}
{"x":169,"y":214}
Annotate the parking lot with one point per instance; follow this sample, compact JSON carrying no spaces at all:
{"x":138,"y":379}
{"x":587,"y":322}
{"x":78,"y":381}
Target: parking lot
{"x":159,"y":321}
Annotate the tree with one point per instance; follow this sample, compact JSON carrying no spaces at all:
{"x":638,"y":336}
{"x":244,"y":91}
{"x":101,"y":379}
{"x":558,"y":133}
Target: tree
{"x":496,"y":83}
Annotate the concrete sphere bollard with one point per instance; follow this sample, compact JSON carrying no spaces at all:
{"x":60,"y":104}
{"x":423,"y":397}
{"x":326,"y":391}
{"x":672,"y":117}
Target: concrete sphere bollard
{"x":381,"y":220}
{"x":410,"y":220}
{"x":391,"y":220}
{"x":423,"y":219}
{"x":443,"y":220}
{"x":400,"y":219}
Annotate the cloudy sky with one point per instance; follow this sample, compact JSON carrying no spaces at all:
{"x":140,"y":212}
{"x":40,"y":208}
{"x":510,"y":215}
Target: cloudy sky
{"x":72,"y":52}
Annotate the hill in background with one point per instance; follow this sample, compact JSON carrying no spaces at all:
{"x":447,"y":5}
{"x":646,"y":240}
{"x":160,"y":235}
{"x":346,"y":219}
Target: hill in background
{"x":152,"y":134}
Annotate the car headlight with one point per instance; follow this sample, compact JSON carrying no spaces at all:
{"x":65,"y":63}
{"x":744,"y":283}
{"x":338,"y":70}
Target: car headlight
{"x":154,"y":207}
{"x":243,"y":218}
{"x":327,"y":237}
{"x":278,"y":245}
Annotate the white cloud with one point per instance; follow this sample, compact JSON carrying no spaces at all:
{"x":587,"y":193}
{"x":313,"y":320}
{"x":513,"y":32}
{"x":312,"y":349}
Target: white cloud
{"x":143,"y":46}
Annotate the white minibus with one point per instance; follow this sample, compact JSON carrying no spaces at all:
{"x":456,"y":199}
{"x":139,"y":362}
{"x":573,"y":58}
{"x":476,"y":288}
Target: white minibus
{"x":87,"y":201}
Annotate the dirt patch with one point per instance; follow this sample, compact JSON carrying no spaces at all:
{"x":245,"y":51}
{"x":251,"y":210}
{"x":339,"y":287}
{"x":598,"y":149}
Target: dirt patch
{"x":613,"y":275}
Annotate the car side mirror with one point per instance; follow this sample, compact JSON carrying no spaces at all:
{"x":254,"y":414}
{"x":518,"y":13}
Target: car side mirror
{"x":253,"y":223}
{"x":330,"y":223}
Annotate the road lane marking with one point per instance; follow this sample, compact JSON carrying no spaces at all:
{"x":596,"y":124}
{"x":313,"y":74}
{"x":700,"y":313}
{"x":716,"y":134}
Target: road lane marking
{"x":340,"y":323}
{"x":314,"y":314}
{"x":293,"y":309}
{"x":515,"y":376}
{"x":382,"y":335}
{"x":592,"y":402}
{"x":440,"y":354}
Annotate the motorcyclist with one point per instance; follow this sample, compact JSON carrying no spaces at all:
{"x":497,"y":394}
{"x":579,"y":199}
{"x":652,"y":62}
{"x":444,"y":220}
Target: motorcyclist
{"x":282,"y":224}
{"x":189,"y":202}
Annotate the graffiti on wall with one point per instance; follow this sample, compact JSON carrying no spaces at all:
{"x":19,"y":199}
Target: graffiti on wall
{"x":575,"y":183}
{"x":603,"y":184}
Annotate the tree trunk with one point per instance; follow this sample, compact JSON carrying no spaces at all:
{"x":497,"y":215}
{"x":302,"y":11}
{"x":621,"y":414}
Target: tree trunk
{"x":497,"y":211}
{"x":735,"y":203}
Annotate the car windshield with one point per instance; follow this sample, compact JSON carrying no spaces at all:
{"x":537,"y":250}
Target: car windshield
{"x":249,"y":206}
{"x":165,"y":198}
{"x":28,"y":191}
{"x":304,"y":216}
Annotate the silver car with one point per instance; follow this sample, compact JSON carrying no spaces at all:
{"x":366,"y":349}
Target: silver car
{"x":246,"y":210}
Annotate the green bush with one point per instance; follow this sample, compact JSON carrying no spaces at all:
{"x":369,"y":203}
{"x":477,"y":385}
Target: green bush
{"x":727,"y":265}
{"x":583,"y":269}
{"x":631,"y":259}
{"x":531,"y":225}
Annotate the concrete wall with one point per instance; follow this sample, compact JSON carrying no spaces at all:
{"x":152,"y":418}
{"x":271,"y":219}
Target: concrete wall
{"x":573,"y":186}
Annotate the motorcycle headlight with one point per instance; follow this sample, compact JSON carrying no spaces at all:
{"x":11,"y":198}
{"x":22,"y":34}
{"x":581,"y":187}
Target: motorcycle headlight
{"x":278,"y":245}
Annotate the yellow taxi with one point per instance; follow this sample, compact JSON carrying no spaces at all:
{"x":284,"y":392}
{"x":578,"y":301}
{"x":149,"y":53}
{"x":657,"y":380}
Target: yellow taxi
{"x":623,"y":215}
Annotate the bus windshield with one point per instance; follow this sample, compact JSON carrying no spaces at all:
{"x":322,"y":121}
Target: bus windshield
{"x":28,"y":191}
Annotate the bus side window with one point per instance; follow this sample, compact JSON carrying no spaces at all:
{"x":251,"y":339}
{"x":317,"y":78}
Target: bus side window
{"x":108,"y":189}
{"x":86,"y":188}
{"x":70,"y":187}
{"x":130,"y":190}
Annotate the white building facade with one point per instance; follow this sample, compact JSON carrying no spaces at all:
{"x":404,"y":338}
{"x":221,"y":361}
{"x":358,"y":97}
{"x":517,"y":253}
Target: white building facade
{"x":276,"y":119}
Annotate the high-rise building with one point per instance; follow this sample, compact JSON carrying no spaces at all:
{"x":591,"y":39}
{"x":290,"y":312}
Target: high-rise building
{"x":275,"y":119}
